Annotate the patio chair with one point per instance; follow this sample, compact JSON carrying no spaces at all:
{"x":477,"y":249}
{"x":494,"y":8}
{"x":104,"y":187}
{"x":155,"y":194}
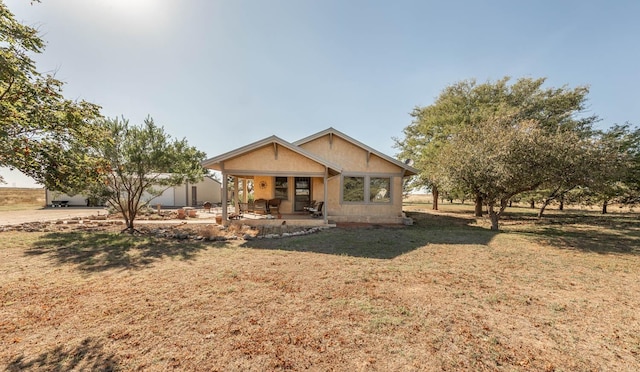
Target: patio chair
{"x":317,"y":210}
{"x":274,"y":206}
{"x":260,"y":206}
{"x":242,"y":208}
{"x":313,"y":204}
{"x":238,"y":212}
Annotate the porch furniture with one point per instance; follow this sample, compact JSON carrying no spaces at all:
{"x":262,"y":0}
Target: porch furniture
{"x":242,"y":208}
{"x":317,"y":210}
{"x":313,"y":204}
{"x":260,"y":206}
{"x":238,"y":211}
{"x":207,"y":206}
{"x":274,"y":206}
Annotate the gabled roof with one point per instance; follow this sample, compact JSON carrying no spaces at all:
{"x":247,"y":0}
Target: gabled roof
{"x":215,"y":162}
{"x":410,"y":171}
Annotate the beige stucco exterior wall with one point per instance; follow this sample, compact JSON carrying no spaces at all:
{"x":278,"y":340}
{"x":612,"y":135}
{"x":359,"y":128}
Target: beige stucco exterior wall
{"x":352,"y":158}
{"x":264,"y":161}
{"x":267,"y":192}
{"x":358,"y":162}
{"x":286,"y":206}
{"x":365,"y":212}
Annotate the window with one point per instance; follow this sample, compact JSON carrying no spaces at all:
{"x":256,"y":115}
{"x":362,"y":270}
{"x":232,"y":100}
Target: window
{"x":355,"y":189}
{"x":379,"y":188}
{"x":282,"y":188}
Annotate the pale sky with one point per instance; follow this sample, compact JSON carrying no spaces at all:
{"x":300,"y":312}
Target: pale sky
{"x":226,"y":73}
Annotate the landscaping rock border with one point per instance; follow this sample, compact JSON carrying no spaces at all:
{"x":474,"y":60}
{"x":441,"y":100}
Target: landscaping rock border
{"x":208,"y":232}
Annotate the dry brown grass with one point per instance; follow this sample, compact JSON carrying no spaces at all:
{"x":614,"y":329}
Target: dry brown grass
{"x":445,"y":294}
{"x":12,"y":198}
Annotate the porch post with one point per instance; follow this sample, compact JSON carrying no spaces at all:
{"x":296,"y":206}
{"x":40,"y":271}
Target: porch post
{"x":245,"y":190}
{"x":224,"y":197}
{"x":236,"y":190}
{"x":326,"y":205}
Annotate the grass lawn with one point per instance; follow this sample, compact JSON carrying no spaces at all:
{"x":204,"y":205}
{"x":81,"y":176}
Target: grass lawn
{"x":559,"y":294}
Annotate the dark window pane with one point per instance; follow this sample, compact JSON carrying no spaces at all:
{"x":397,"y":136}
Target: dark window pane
{"x":379,"y":190}
{"x":353,"y":189}
{"x":282,"y":188}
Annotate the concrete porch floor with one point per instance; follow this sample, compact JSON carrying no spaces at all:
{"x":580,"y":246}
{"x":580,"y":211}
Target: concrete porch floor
{"x":254,"y":219}
{"x":289,"y":220}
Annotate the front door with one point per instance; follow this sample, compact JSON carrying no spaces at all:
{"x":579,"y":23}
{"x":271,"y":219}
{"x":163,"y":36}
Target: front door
{"x":303,"y":193}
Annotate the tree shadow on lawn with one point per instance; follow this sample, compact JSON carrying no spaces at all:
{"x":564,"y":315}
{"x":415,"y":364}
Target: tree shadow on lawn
{"x":89,"y":355}
{"x":98,"y":251}
{"x":588,"y":231}
{"x":383,"y":241}
{"x":604,"y":234}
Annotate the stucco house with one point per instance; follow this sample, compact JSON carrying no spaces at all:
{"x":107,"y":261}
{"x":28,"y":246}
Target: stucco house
{"x":355,"y":182}
{"x":188,"y":194}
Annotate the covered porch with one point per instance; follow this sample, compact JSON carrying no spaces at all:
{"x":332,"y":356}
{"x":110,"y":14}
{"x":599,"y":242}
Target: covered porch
{"x":268,"y":200}
{"x":286,"y":178}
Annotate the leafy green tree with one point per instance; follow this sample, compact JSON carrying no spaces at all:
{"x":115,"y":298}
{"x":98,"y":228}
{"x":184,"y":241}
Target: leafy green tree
{"x":576,"y":162}
{"x":42,"y":134}
{"x":465,"y":109}
{"x":467,"y":104}
{"x":510,"y":161}
{"x":632,"y":177}
{"x":143,"y":162}
{"x":617,"y":179}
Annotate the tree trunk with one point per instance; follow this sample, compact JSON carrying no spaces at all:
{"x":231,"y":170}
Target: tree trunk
{"x":478,"y":211}
{"x":129,"y":217}
{"x":493,"y":216}
{"x":604,"y":206}
{"x":545,"y":203}
{"x":435,"y":194}
{"x":562,"y":203}
{"x":532,"y":204}
{"x":130,"y":229}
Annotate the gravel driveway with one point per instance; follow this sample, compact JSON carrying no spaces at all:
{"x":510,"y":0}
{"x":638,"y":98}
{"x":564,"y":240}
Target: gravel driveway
{"x":47,"y":214}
